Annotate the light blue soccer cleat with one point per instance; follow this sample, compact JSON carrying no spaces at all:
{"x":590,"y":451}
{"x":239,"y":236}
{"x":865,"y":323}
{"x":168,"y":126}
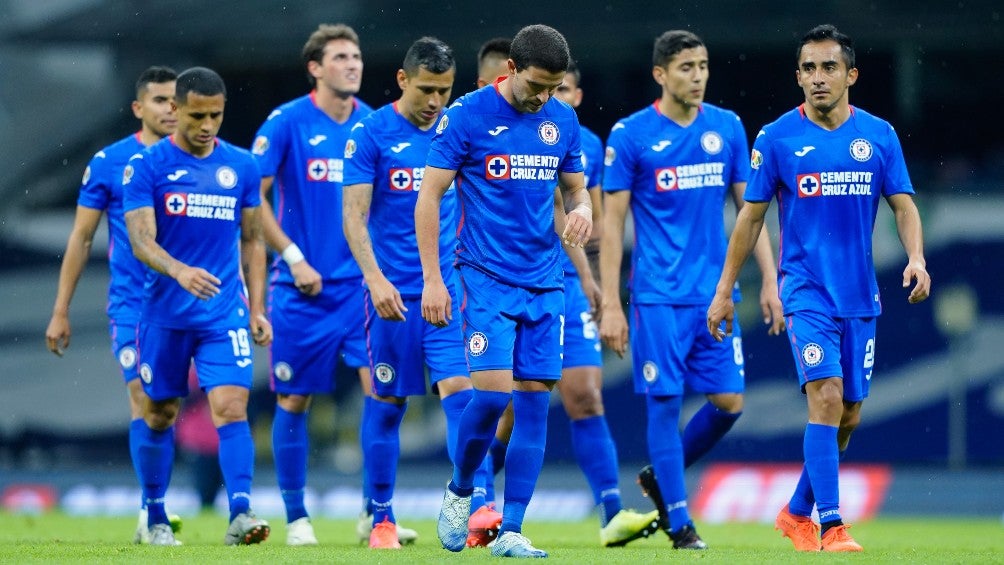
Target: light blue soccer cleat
{"x":452,"y":524}
{"x":513,"y":544}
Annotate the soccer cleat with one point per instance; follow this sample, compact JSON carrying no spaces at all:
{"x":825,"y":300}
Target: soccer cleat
{"x":300,"y":532}
{"x":161,"y":534}
{"x":514,"y":544}
{"x":142,"y":534}
{"x":483,"y":526}
{"x":246,"y":529}
{"x":384,"y":535}
{"x":452,"y":524}
{"x":650,"y":488}
{"x":837,"y":539}
{"x":687,"y":538}
{"x":627,"y":526}
{"x":801,"y":530}
{"x":405,"y":536}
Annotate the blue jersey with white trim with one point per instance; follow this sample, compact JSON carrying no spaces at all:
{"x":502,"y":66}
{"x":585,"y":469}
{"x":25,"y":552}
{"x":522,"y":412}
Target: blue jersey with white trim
{"x":197,"y":204}
{"x":507,"y":164}
{"x":303,"y":148}
{"x":592,"y":162}
{"x":679,"y":177}
{"x":827,"y":185}
{"x":389,"y":152}
{"x":101,"y":189}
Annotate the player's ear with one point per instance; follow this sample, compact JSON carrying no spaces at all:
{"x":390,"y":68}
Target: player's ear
{"x":852,"y":76}
{"x":137,"y":109}
{"x":402,"y":79}
{"x":659,"y":74}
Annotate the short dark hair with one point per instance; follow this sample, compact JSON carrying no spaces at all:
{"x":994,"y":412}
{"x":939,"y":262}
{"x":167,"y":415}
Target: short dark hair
{"x":573,"y":69}
{"x":199,"y":80}
{"x":155,"y":75}
{"x":672,"y":42}
{"x":313,"y":49}
{"x":826,"y":32}
{"x":540,"y":46}
{"x":428,"y":53}
{"x":497,"y":46}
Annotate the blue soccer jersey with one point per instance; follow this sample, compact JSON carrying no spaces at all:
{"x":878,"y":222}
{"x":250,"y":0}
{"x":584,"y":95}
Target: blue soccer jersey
{"x":507,"y":164}
{"x":197,"y":203}
{"x":389,"y":152}
{"x":827,"y":184}
{"x":592,"y":162}
{"x":303,"y":148}
{"x":101,"y":189}
{"x":679,"y":177}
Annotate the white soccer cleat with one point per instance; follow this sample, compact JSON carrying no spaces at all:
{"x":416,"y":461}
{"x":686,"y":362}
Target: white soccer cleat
{"x":452,"y":524}
{"x":161,"y":534}
{"x":300,"y":532}
{"x":142,"y":534}
{"x":512,"y":544}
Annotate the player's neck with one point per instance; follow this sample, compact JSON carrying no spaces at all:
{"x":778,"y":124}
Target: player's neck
{"x":682,"y":114}
{"x":337,"y":106}
{"x":148,"y":137}
{"x":829,"y":119}
{"x":201,"y":152}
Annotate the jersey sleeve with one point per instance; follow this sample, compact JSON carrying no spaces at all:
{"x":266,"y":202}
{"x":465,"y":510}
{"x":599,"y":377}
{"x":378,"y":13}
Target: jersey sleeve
{"x":618,"y":160}
{"x":573,"y":158}
{"x":452,"y":141}
{"x":594,"y":162}
{"x":361,"y":156}
{"x":897,"y":178}
{"x":763,"y":178}
{"x":95,"y":190}
{"x":252,"y":184}
{"x":270,"y":144}
{"x":740,"y":150}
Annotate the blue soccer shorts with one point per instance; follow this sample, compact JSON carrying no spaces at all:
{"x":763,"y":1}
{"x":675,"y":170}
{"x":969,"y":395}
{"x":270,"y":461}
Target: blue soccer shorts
{"x":221,"y":356}
{"x":511,"y":328}
{"x":581,"y":337}
{"x":313,"y":332}
{"x":123,"y":336}
{"x":673,"y":351}
{"x":825,"y":347}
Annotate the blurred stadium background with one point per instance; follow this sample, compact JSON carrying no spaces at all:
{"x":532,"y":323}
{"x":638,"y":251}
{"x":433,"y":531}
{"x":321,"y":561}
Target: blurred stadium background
{"x":931,"y":441}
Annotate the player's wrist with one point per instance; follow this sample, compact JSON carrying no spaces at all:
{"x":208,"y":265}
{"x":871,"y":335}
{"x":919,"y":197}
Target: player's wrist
{"x":292,"y":254}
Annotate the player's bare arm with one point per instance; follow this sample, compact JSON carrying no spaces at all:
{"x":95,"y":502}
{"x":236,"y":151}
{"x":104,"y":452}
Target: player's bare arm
{"x":577,"y":255}
{"x":436,"y":303}
{"x":78,"y":249}
{"x":305,"y":277}
{"x":911,"y":235}
{"x":253,"y":267}
{"x":763,"y":252}
{"x":356,"y":202}
{"x":749,"y":224}
{"x":593,"y":245}
{"x":579,"y":219}
{"x":142,"y":226}
{"x":613,"y":323}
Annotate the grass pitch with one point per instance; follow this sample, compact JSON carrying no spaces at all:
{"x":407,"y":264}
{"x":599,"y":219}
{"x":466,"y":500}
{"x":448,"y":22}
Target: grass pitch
{"x":58,"y":538}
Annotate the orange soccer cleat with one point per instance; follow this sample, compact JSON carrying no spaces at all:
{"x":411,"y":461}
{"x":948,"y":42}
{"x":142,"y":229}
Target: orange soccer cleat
{"x":837,"y":539}
{"x":384,"y":535}
{"x":801,"y":530}
{"x":483,"y":526}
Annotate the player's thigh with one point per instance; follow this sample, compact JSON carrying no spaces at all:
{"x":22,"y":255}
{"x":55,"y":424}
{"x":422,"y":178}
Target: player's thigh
{"x":857,"y":357}
{"x":540,"y":321}
{"x":581,"y":340}
{"x":224,"y":357}
{"x":715,"y":367}
{"x":123,"y":336}
{"x":815,"y":345}
{"x":164,"y":358}
{"x":488,"y":326}
{"x":661,"y":339}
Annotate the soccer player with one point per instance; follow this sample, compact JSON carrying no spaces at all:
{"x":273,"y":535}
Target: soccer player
{"x":507,"y":146}
{"x":100,"y":192}
{"x":827,"y":163}
{"x":492,"y":60}
{"x":673,"y":163}
{"x":188,"y":200}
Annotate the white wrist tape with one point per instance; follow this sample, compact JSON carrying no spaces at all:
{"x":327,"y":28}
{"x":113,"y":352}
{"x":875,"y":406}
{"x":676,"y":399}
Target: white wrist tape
{"x":292,"y":254}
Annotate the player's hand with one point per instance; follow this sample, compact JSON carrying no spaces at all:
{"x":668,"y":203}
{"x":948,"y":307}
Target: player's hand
{"x":614,"y":329}
{"x":57,"y":335}
{"x":578,"y":226}
{"x":594,"y":295}
{"x":770,"y":307}
{"x":386,"y":299}
{"x":437,"y":306}
{"x":261,"y":329}
{"x":306,"y":279}
{"x":915,"y":270}
{"x":200,"y":282}
{"x":722,"y":308}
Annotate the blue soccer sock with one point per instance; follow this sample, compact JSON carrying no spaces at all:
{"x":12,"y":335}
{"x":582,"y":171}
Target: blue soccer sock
{"x":665,"y":447}
{"x":597,"y":457}
{"x":155,"y":460}
{"x":525,"y":455}
{"x":237,"y":464}
{"x":290,"y":444}
{"x":703,"y":431}
{"x":477,"y":427}
{"x":498,"y":451}
{"x":482,"y":476}
{"x":134,"y":439}
{"x":453,"y":408}
{"x":802,"y":501}
{"x":381,"y":452}
{"x":822,"y":466}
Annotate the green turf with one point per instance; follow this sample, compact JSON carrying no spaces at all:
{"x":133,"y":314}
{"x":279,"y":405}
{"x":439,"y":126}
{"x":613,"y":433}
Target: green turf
{"x":57,"y":538}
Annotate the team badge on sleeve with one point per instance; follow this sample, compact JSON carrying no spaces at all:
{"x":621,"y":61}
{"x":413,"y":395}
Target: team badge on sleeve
{"x":477,"y":344}
{"x":260,"y":145}
{"x":711,"y":142}
{"x":87,"y":175}
{"x":127,"y":174}
{"x":756,"y":159}
{"x":609,"y":156}
{"x":226,"y":177}
{"x":443,"y":123}
{"x":350,"y":148}
{"x":861,"y":150}
{"x":548,"y":132}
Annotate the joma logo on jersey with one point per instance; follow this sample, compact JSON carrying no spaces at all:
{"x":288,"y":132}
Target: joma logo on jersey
{"x":324,"y":170}
{"x":406,"y":179}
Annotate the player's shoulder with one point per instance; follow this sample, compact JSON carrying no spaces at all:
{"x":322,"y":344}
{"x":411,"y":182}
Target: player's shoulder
{"x":589,"y":136}
{"x":868,"y":122}
{"x":719,"y":114}
{"x":362,"y":107}
{"x":290,"y":110}
{"x":788,"y":123}
{"x":119,"y":151}
{"x":640,"y":118}
{"x":233,"y":151}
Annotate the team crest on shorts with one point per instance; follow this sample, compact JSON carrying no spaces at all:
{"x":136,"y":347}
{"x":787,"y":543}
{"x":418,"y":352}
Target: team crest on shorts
{"x":649,"y":372}
{"x":226,"y":177}
{"x":127,"y":357}
{"x":383,"y":373}
{"x":711,"y":142}
{"x":477,"y":344}
{"x":861,"y":150}
{"x":548,"y":132}
{"x":282,"y":371}
{"x":145,"y":373}
{"x":812,"y":354}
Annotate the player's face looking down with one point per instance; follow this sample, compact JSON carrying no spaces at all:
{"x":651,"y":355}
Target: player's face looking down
{"x":340,"y":69}
{"x":532,"y":87}
{"x":823,"y":75}
{"x":569,"y":91}
{"x":199,"y":120}
{"x":685,"y":77}
{"x":424,"y":95}
{"x":155,"y":107}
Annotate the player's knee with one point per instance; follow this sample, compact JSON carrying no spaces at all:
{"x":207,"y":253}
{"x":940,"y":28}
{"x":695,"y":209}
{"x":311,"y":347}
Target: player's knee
{"x":227,"y":410}
{"x":583,"y":403}
{"x":727,"y":402}
{"x":161,"y":415}
{"x":453,"y":385}
{"x":295,"y":403}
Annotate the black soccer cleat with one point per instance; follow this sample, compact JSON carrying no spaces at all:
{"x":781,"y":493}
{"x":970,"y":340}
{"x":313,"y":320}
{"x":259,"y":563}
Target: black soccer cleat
{"x":650,"y":488}
{"x":687,"y":538}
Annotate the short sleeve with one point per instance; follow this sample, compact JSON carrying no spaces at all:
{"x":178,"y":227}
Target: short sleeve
{"x":764,"y":176}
